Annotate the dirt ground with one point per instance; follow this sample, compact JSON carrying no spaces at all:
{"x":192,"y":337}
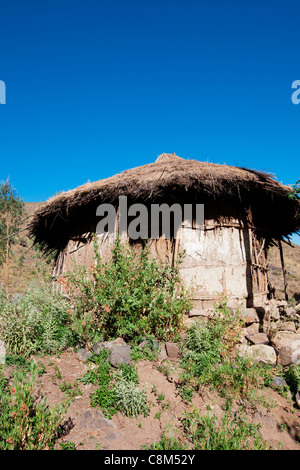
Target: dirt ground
{"x":86,"y":427}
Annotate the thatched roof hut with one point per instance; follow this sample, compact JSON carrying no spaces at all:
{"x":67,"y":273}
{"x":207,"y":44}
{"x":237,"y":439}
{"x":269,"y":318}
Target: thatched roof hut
{"x":240,"y":200}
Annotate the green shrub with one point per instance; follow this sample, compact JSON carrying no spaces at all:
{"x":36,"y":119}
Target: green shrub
{"x":210,"y":358}
{"x":231,"y":433}
{"x":130,"y":295}
{"x":131,"y":400}
{"x":117,"y":390}
{"x":36,"y":322}
{"x":292,"y":377}
{"x":26,"y":423}
{"x":167,"y":443}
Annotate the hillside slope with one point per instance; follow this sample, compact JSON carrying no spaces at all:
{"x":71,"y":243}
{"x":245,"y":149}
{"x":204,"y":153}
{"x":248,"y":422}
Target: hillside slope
{"x":292,"y":265}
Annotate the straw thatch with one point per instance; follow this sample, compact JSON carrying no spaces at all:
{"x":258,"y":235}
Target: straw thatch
{"x":174,"y":179}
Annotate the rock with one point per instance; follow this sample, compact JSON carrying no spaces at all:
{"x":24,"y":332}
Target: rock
{"x":119,"y":355}
{"x":297,"y":398}
{"x":297,"y":308}
{"x":83,"y":355}
{"x":97,"y":348}
{"x":108,"y":345}
{"x":249,"y":316}
{"x":200,"y":312}
{"x":258,"y":338}
{"x":162,"y":353}
{"x":288,"y":326}
{"x":172,"y":350}
{"x":284,"y":338}
{"x":2,"y":352}
{"x":274,"y":313}
{"x":289,"y":355}
{"x":288,"y":346}
{"x":278,"y":382}
{"x":152,"y":344}
{"x":260,"y":353}
{"x":290,"y":311}
{"x":282,"y":303}
{"x":252,"y":329}
{"x":95,"y":420}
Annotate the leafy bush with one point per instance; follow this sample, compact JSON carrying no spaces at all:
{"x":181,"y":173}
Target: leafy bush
{"x":131,"y":400}
{"x":25,"y":422}
{"x":117,"y":391}
{"x":36,"y":322}
{"x":232,"y":433}
{"x":292,"y":377}
{"x":130,"y":295}
{"x":210,"y":358}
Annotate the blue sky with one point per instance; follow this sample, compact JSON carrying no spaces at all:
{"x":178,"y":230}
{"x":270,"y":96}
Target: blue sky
{"x":96,"y":87}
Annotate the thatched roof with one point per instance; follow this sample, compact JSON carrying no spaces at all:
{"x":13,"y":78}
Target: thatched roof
{"x":53,"y":224}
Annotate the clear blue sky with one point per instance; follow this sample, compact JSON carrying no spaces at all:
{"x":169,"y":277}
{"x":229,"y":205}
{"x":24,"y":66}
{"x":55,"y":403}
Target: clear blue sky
{"x":97,"y":87}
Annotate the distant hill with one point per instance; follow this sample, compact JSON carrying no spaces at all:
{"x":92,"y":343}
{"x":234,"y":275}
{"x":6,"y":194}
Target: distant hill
{"x":27,"y":262}
{"x":28,"y":270}
{"x":292,"y":266}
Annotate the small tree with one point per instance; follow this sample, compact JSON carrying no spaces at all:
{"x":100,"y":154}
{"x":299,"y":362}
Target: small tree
{"x":295,"y":192}
{"x":11,"y":210}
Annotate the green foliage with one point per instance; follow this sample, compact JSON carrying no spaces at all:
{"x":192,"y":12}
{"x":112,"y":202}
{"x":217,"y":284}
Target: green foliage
{"x":117,"y":390}
{"x":11,"y":211}
{"x":147,"y":351}
{"x":36,"y":322}
{"x":210,"y":359}
{"x":67,"y":445}
{"x":232,"y":433}
{"x":167,"y":443}
{"x":292,"y":377}
{"x":26,"y":423}
{"x":132,"y":401}
{"x":128,"y":296}
{"x":295,"y":192}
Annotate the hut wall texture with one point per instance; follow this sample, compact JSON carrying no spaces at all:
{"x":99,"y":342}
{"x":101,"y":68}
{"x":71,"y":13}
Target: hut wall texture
{"x":218,"y":259}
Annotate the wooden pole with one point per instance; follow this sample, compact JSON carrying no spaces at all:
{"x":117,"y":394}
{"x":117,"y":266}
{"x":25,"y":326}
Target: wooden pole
{"x":283,"y":270}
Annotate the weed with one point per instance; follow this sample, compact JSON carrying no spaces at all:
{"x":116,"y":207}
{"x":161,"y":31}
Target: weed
{"x":128,"y":296}
{"x":25,"y":422}
{"x":206,"y":433}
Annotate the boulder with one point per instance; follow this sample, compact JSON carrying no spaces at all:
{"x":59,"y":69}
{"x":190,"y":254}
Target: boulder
{"x":289,"y":355}
{"x":108,"y":345}
{"x":172,"y":350}
{"x":94,"y":420}
{"x":119,"y":355}
{"x":284,"y":338}
{"x":258,"y":338}
{"x":290,"y":311}
{"x":162,"y":353}
{"x":288,"y":326}
{"x":282,"y":303}
{"x":287,"y":344}
{"x":83,"y":355}
{"x":252,"y":329}
{"x":260,"y":353}
{"x":278,"y":382}
{"x":249,"y":316}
